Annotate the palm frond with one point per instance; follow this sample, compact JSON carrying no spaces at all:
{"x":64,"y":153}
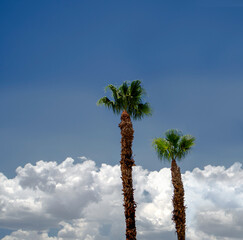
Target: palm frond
{"x":178,"y":146}
{"x":103,"y":101}
{"x":186,"y":142}
{"x":161,"y":146}
{"x":129,"y":97}
{"x":124,"y":88}
{"x":141,"y":110}
{"x":136,"y":89}
{"x":109,"y":104}
{"x":114,"y":91}
{"x":173,"y":136}
{"x":185,"y":145}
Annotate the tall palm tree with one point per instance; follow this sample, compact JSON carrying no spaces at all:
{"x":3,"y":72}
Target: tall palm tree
{"x":127,"y":100}
{"x":175,"y":146}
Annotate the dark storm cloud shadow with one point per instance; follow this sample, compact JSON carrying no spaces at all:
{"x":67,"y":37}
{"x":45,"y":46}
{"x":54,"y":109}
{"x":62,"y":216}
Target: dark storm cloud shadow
{"x":105,"y":229}
{"x":65,"y":207}
{"x":72,"y":207}
{"x":28,"y":221}
{"x":146,"y":230}
{"x":33,"y":205}
{"x":168,"y":235}
{"x":209,"y":223}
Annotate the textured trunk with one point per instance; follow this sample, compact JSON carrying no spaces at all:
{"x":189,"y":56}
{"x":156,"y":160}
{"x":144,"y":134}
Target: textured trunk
{"x":126,"y":170}
{"x":178,"y":214}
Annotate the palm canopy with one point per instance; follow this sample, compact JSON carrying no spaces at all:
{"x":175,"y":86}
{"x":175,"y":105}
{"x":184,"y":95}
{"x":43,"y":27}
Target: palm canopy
{"x":127,"y":97}
{"x":175,"y":145}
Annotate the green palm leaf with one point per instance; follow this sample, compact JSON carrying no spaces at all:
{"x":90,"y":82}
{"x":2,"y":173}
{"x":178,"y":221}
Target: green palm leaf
{"x":127,"y":97}
{"x":174,"y":145}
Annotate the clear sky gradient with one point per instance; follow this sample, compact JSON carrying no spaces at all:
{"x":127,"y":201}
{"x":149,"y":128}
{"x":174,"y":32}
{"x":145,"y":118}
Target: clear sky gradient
{"x":56,"y":57}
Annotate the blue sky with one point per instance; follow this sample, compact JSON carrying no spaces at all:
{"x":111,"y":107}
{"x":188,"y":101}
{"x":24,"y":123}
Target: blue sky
{"x":56,"y":57}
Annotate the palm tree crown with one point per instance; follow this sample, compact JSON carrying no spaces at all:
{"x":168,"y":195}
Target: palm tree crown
{"x":174,"y":145}
{"x":128,"y":97}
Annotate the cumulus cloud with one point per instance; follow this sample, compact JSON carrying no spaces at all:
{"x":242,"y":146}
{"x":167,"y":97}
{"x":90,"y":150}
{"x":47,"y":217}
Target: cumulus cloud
{"x":214,"y":198}
{"x":82,"y":201}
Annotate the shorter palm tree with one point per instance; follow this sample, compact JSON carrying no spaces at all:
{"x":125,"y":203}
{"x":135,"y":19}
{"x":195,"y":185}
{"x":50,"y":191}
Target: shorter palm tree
{"x":175,"y":146}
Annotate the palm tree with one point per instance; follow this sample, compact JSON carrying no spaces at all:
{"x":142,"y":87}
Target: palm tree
{"x":175,"y":146}
{"x":127,"y":100}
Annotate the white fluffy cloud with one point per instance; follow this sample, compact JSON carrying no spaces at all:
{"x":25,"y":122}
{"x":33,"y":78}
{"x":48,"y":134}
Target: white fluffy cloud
{"x":82,"y":201}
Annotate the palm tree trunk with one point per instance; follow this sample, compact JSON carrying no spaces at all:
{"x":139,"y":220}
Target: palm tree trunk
{"x":126,"y":170}
{"x":178,"y":214}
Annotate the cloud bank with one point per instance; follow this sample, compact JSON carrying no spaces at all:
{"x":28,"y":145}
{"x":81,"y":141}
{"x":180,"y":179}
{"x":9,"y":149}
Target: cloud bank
{"x":83,"y":201}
